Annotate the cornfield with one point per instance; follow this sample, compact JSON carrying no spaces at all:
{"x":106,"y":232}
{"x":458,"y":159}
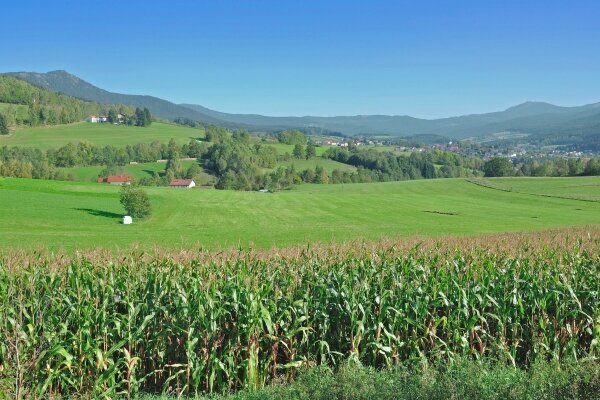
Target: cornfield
{"x":219,"y":323}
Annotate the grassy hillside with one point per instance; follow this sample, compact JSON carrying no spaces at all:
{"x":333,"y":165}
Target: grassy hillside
{"x":100,"y":134}
{"x":576,"y":188}
{"x":55,"y":214}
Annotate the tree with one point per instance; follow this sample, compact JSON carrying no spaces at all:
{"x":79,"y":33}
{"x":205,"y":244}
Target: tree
{"x":311,"y":150}
{"x":112,"y":116}
{"x":3,"y":125}
{"x":174,"y":165}
{"x":193,"y":171}
{"x":140,"y":117}
{"x":135,"y":201}
{"x":147,"y":117}
{"x":298,"y":151}
{"x":498,"y":166}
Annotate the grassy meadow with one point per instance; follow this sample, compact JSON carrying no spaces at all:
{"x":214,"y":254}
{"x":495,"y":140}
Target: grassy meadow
{"x":99,"y":134}
{"x":84,"y":215}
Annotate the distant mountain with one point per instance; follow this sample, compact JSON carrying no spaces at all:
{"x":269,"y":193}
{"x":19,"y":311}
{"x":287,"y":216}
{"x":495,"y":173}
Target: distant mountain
{"x":531,"y":117}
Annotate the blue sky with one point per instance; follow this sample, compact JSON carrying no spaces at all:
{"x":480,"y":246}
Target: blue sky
{"x":420,"y":58}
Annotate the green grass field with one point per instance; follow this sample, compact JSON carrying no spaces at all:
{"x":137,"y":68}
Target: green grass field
{"x":288,"y":148}
{"x":100,"y":134}
{"x":82,"y":215}
{"x":575,"y":188}
{"x":327,"y":164}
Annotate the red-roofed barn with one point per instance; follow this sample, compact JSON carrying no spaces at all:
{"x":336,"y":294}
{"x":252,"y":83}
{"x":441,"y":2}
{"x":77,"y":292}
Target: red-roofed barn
{"x":116,"y":180}
{"x":183,"y":183}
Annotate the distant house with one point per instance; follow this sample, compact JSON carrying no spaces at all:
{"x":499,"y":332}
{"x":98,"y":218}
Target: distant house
{"x":183,"y":183}
{"x":116,"y":180}
{"x":94,"y":119}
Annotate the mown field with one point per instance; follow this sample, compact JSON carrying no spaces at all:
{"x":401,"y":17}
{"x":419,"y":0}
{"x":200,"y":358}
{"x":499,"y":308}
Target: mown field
{"x":83,"y":215}
{"x":100,"y":134}
{"x":506,"y":316}
{"x":565,"y":187}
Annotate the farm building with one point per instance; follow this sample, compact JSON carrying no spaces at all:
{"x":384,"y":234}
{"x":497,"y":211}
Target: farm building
{"x":183,"y":183}
{"x":116,"y":179}
{"x":94,"y":119}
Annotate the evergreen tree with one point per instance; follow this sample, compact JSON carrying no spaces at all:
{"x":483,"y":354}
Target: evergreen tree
{"x":112,"y":116}
{"x":139,"y":117}
{"x":147,"y":117}
{"x":3,"y":125}
{"x":174,"y":165}
{"x":311,"y":150}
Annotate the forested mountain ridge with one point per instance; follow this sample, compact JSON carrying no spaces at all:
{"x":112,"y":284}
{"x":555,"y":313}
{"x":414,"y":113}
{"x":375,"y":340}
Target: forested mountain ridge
{"x":45,"y":107}
{"x":64,"y":82}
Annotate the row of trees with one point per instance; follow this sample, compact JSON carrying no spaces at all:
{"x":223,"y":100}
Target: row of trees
{"x":502,"y":166}
{"x":24,"y":162}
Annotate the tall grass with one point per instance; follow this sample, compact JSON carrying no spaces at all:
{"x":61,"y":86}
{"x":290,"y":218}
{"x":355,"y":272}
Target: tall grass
{"x":242,"y":321}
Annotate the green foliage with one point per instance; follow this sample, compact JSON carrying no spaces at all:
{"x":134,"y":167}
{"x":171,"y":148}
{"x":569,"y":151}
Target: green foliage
{"x":112,"y":116}
{"x":174,"y":167}
{"x":498,"y":166}
{"x":241,"y":322}
{"x":135,"y":201}
{"x":142,"y":117}
{"x":3,"y":124}
{"x":46,"y":107}
{"x":217,"y":134}
{"x":299,"y":151}
{"x":292,"y":137}
{"x":311,"y":150}
{"x":237,"y":163}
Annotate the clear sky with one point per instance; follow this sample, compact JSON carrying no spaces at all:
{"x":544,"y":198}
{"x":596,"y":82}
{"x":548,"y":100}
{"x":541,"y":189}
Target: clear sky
{"x":420,"y":58}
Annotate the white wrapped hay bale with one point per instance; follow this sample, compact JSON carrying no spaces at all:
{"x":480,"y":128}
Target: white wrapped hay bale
{"x":127,"y":220}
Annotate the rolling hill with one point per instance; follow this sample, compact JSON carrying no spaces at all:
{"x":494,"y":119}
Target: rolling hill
{"x":536,"y":118}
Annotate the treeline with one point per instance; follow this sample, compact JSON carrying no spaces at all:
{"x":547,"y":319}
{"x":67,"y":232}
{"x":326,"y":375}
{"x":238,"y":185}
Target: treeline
{"x":236,"y":161}
{"x":553,"y":167}
{"x":45,"y":107}
{"x":380,"y":166}
{"x":23,"y":162}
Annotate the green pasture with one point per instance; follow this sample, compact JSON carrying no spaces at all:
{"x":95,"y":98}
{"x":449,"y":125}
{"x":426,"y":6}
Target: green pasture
{"x":283,"y":148}
{"x":327,"y":164}
{"x":83,"y":215}
{"x":577,"y":188}
{"x":99,"y":134}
